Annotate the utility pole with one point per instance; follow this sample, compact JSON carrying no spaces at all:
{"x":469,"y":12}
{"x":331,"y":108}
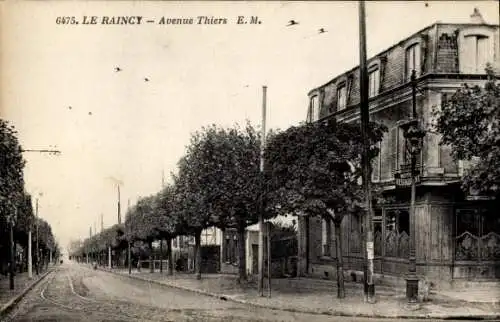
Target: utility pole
{"x":12,"y":268}
{"x":119,"y":212}
{"x":37,"y":251}
{"x":129,"y":246}
{"x":369,"y":290}
{"x":30,"y":257}
{"x":261,"y":212}
{"x":268,"y":232}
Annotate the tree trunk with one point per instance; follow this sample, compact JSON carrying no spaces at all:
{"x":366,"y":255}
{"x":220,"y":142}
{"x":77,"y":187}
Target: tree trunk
{"x":151,"y":262}
{"x":197,"y":252}
{"x":161,"y":256}
{"x":242,"y":276}
{"x":170,"y":264}
{"x":340,"y":261}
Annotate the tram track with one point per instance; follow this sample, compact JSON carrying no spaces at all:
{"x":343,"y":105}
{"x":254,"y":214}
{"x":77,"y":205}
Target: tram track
{"x":73,"y":301}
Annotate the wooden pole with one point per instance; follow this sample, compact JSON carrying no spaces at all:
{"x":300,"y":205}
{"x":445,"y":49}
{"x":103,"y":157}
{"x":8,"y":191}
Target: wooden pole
{"x":261,"y":214}
{"x":119,"y":211}
{"x":30,"y":258}
{"x":268,"y":259}
{"x":12,"y":255}
{"x":37,"y":251}
{"x":129,"y":259}
{"x":365,"y":120}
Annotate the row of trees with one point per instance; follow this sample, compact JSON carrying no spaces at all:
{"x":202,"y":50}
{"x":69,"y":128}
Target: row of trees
{"x":311,"y":169}
{"x":16,"y":209}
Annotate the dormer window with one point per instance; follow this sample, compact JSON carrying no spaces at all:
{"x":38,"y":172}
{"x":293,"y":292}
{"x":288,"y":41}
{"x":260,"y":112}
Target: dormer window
{"x":477,"y":53}
{"x":373,"y":81}
{"x":341,"y":97}
{"x":412,"y":60}
{"x":314,"y":108}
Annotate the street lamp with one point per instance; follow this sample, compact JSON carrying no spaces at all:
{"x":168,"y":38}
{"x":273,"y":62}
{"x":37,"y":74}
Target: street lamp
{"x":413,"y":134}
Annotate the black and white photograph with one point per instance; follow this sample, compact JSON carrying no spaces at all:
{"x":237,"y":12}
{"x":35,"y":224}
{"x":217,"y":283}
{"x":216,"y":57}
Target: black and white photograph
{"x":249,"y":161}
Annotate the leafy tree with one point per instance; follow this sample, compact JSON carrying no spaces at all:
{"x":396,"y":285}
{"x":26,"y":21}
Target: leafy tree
{"x":11,"y":172}
{"x":470,"y":123}
{"x":141,"y":224}
{"x":219,"y":179}
{"x":11,"y":183}
{"x":314,"y":169}
{"x":168,"y":223}
{"x":190,"y":207}
{"x":46,"y":240}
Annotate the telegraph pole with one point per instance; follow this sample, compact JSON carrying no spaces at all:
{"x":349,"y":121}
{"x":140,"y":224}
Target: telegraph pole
{"x":12,"y":247}
{"x":129,"y":246}
{"x":30,"y":257}
{"x":369,"y":289}
{"x":37,"y":260}
{"x":119,"y":213}
{"x":261,"y":213}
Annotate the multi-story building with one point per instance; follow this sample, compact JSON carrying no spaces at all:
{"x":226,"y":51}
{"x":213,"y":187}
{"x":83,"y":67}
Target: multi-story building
{"x":456,"y":238}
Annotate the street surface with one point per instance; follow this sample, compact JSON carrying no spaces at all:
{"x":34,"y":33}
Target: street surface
{"x":77,"y":293}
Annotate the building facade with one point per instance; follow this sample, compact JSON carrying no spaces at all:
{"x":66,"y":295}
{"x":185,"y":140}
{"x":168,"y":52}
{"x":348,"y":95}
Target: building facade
{"x":457,"y":237}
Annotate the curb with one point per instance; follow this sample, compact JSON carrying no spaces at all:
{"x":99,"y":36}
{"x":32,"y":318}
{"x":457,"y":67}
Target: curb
{"x":331,"y":313}
{"x":5,"y":309}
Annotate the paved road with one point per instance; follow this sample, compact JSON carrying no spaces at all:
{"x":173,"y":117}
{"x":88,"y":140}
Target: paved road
{"x":77,"y":293}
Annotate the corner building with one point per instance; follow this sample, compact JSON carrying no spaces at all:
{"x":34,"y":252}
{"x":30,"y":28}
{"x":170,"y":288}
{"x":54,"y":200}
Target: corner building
{"x":457,"y":235}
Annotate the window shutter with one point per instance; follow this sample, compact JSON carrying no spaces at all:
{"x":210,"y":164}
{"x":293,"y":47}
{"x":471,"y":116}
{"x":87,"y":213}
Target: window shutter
{"x":468,"y":57}
{"x":403,"y":157}
{"x":385,"y":157}
{"x":309,"y":112}
{"x":376,"y":164}
{"x":418,"y":60}
{"x":483,"y":54}
{"x":393,"y":150}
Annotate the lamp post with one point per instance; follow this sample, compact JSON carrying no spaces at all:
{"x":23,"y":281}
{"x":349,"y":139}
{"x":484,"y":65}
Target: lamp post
{"x":413,"y":134}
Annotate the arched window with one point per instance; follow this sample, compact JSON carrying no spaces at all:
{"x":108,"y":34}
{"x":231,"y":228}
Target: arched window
{"x":413,"y":60}
{"x":373,"y":81}
{"x":341,"y":96}
{"x":314,"y":108}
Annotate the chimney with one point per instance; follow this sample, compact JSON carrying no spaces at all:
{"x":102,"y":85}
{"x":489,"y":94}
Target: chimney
{"x":476,"y":17}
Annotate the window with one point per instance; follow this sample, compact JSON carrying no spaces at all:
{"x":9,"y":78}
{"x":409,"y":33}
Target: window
{"x":477,"y":54}
{"x":355,"y":242}
{"x":314,"y":108}
{"x":412,"y":60}
{"x":326,"y":236}
{"x":477,"y":233}
{"x":341,"y":97}
{"x":374,"y":82}
{"x":397,"y":233}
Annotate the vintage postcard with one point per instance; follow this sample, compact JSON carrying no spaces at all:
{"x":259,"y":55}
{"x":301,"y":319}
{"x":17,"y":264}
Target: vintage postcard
{"x":249,"y":160}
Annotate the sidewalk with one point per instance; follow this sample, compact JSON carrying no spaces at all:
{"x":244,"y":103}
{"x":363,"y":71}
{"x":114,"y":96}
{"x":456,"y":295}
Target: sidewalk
{"x":319,"y":297}
{"x":22,"y":284}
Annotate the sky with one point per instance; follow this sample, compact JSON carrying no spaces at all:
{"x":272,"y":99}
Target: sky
{"x":198,"y":75}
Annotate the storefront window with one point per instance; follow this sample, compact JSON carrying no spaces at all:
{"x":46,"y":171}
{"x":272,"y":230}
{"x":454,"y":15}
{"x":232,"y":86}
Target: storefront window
{"x":397,"y":233}
{"x":477,"y":234}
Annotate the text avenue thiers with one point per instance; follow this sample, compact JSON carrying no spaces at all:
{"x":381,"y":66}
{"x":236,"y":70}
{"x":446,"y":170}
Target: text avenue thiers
{"x":138,"y":20}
